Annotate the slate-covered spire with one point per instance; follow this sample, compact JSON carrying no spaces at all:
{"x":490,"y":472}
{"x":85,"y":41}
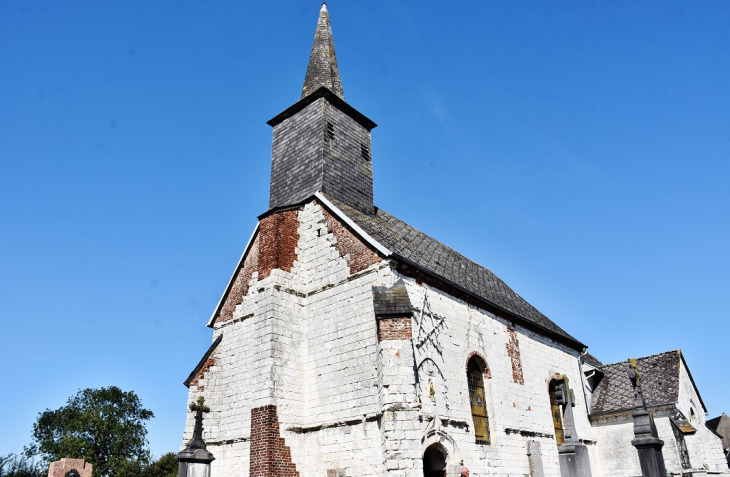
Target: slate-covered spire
{"x":322,"y":69}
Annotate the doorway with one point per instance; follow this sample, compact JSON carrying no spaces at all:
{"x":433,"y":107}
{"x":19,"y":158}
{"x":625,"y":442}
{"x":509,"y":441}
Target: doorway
{"x":434,"y":461}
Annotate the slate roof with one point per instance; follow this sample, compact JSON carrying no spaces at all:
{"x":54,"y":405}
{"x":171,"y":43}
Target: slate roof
{"x":202,"y":361}
{"x":720,"y":425}
{"x":659,"y":378}
{"x":592,"y":360}
{"x":428,"y":254}
{"x":714,"y":422}
{"x":684,"y":426}
{"x":393,"y":300}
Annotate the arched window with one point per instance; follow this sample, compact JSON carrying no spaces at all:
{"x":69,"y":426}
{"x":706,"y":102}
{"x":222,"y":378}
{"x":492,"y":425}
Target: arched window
{"x":475,"y":376}
{"x":557,"y":413}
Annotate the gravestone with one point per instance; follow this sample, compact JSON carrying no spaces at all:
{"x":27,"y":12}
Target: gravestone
{"x":70,"y":468}
{"x":534,"y":456}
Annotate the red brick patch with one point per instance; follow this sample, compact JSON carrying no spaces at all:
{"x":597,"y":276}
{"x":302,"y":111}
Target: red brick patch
{"x":358,"y":255}
{"x":240,"y":283}
{"x":482,"y":363}
{"x":270,"y":456}
{"x":397,"y":328}
{"x":513,"y":351}
{"x":201,"y":374}
{"x":278,"y":238}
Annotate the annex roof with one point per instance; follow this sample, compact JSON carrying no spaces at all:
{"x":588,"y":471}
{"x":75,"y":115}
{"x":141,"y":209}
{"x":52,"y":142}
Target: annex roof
{"x":591,"y":360}
{"x":659,"y":379}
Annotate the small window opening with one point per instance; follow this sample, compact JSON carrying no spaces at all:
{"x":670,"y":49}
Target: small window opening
{"x":330,"y":131}
{"x":365,"y":152}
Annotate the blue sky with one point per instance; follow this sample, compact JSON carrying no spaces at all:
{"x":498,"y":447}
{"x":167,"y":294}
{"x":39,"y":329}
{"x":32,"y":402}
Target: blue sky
{"x":577,"y":149}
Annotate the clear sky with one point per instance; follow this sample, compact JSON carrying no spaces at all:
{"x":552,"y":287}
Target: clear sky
{"x":578,"y":149}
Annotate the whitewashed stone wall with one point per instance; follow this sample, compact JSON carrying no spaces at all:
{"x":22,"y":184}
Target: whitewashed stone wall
{"x":517,"y":412}
{"x":705,"y":447}
{"x":306,"y":341}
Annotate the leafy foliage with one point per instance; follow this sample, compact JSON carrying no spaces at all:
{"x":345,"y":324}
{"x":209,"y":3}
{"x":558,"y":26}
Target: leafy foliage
{"x":165,"y":466}
{"x":103,"y":426}
{"x":19,"y":466}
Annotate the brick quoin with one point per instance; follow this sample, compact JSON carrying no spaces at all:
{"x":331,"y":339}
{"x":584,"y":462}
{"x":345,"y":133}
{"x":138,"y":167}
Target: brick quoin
{"x":278,"y":238}
{"x":201,"y":374}
{"x":270,"y":456}
{"x":240,"y":283}
{"x":395,"y":328}
{"x":513,"y":351}
{"x":482,"y":361}
{"x":358,"y":255}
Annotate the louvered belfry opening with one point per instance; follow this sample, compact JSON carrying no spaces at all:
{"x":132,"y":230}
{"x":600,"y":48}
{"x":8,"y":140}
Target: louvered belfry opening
{"x":475,"y":376}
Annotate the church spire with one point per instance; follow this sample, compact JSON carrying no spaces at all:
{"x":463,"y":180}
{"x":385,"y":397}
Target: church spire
{"x":322,"y":69}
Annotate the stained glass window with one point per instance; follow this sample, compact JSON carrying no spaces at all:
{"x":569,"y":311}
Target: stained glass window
{"x":475,"y":376}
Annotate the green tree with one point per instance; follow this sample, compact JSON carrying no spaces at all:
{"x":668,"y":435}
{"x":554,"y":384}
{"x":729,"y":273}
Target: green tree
{"x":106,"y":427}
{"x":165,"y":466}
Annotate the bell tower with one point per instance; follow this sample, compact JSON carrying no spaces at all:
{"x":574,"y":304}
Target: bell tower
{"x":321,"y":143}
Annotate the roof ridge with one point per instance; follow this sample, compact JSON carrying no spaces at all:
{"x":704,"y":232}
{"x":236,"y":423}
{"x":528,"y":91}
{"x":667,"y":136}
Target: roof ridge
{"x":678,"y":351}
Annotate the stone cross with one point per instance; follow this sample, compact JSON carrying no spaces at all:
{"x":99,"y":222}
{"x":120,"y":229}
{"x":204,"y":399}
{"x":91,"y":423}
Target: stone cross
{"x":567,"y":400}
{"x":198,"y":408}
{"x":572,"y":454}
{"x":635,"y":377}
{"x":194,"y":460}
{"x":646,"y":438}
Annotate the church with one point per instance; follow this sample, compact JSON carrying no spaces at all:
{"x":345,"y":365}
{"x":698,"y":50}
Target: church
{"x":348,"y":343}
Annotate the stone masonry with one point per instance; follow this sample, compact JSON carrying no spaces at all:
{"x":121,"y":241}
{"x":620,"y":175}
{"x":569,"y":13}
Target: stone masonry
{"x":306,"y":341}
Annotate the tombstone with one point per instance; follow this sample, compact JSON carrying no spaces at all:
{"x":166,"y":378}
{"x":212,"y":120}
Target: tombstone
{"x":574,"y":460}
{"x":534,"y":457}
{"x":70,"y":468}
{"x":194,"y":460}
{"x":646,"y":438}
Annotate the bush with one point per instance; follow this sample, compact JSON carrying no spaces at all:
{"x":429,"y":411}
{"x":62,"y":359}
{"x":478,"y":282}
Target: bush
{"x":13,"y":465}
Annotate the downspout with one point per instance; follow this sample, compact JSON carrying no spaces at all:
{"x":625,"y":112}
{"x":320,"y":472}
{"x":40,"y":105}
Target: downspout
{"x":583,"y":379}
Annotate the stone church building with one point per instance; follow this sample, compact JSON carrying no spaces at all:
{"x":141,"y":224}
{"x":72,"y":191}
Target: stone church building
{"x":348,"y":343}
